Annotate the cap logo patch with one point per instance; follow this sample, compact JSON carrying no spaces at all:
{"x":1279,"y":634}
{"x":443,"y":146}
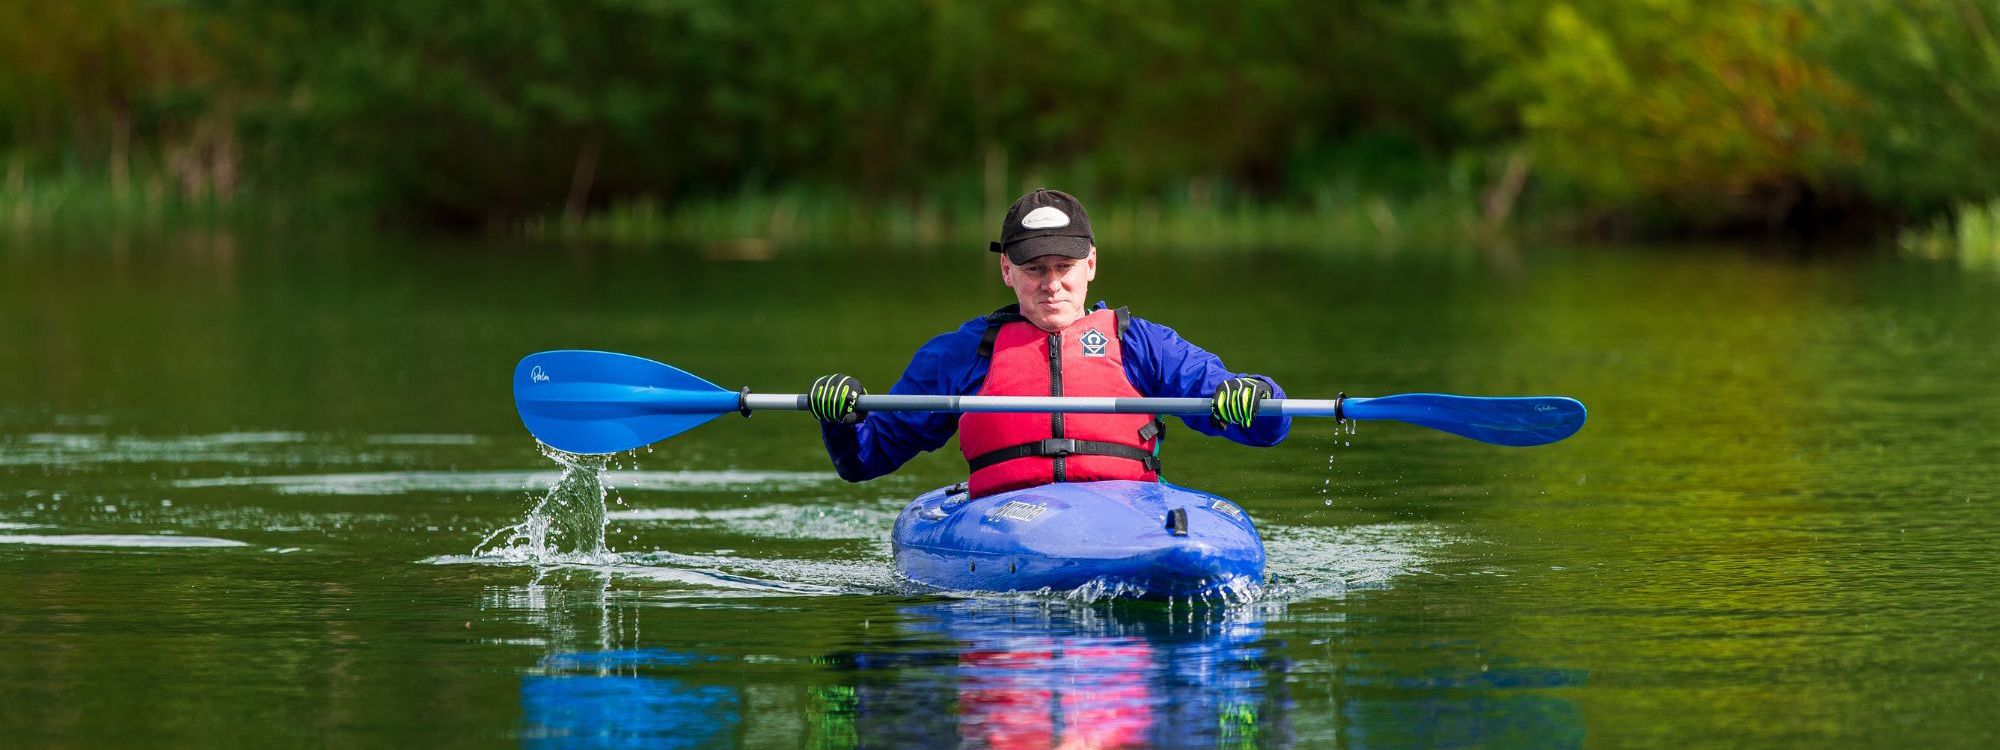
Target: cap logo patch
{"x":1046,"y":217}
{"x":1093,"y":343}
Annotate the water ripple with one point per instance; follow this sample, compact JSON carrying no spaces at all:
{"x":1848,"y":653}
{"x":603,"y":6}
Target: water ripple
{"x":401,"y":482}
{"x":118,"y":540}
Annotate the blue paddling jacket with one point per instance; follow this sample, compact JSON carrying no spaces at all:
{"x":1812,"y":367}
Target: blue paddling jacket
{"x":1158,"y":362}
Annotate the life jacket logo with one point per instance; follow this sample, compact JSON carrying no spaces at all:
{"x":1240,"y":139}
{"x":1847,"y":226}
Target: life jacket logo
{"x":1093,"y":343}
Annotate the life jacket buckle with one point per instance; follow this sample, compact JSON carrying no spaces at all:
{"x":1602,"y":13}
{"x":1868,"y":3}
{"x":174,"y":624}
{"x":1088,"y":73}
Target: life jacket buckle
{"x":1059,"y":447}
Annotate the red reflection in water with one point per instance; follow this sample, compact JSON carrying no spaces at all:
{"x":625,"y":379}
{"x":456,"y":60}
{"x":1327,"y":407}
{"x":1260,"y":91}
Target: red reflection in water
{"x":1084,"y":696}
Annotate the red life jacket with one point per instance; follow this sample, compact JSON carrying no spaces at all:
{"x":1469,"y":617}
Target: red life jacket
{"x":1011,"y":451}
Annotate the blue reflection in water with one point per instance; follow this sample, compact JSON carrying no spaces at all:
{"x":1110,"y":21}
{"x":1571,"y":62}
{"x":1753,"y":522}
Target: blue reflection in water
{"x":1010,"y":674}
{"x":1033,"y":675}
{"x":1470,"y":708}
{"x":598,"y":700}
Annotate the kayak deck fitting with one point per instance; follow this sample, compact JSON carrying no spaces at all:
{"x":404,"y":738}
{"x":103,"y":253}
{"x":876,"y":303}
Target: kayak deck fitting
{"x":1150,"y":540}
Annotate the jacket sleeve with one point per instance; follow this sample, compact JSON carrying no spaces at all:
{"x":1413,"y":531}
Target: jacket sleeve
{"x":1162,"y":364}
{"x":884,"y":441}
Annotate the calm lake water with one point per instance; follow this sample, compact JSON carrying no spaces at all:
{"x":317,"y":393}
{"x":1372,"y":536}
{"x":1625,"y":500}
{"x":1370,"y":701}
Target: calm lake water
{"x":255,"y":492}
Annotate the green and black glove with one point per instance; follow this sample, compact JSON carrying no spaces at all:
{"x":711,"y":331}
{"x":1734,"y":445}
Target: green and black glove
{"x":832,"y":399}
{"x":1236,"y":400}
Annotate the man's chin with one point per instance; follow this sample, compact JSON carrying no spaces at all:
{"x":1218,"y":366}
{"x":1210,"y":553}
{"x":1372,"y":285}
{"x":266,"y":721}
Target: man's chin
{"x":1053,"y":320}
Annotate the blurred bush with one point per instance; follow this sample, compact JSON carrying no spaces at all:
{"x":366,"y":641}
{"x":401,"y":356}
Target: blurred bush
{"x":1696,"y":110}
{"x":1928,"y":110}
{"x":1699,"y":114}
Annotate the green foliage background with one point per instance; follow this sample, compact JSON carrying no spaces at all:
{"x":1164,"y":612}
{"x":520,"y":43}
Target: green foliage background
{"x":1664,"y":114}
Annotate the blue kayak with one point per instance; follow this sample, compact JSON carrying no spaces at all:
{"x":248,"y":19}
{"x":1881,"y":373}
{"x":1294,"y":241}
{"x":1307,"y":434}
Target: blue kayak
{"x":1150,"y":540}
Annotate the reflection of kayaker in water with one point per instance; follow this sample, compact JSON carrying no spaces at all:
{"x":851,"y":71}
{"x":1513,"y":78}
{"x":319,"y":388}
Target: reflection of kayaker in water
{"x":1048,"y":344}
{"x":1083,"y":695}
{"x":1030,"y":675}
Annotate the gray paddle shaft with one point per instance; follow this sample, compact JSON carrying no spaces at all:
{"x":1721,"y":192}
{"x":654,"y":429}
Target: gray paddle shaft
{"x":1279,"y":407}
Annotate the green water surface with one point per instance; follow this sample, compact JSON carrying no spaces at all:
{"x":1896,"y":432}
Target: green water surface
{"x":243,"y":479}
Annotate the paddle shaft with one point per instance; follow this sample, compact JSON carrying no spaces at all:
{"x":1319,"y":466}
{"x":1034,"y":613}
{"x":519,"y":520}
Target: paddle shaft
{"x":1276,"y":407}
{"x":604,"y":402}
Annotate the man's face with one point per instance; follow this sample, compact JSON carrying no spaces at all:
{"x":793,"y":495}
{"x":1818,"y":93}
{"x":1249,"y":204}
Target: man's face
{"x":1050,"y":288}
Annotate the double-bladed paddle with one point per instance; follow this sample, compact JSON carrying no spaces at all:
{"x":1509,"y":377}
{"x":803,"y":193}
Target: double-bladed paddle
{"x":603,"y":402}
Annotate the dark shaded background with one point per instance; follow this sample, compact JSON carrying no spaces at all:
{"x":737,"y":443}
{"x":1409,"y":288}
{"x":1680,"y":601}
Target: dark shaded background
{"x":1711,"y":116}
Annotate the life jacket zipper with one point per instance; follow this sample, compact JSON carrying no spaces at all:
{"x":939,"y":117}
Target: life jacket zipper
{"x":1055,"y":389}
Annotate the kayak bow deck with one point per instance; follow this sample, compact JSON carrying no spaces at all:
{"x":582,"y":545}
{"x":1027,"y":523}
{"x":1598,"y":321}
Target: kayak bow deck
{"x":1150,"y":540}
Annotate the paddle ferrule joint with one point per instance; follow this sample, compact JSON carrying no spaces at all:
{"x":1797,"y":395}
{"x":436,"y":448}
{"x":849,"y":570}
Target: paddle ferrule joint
{"x":743,"y":402}
{"x":1338,"y":415}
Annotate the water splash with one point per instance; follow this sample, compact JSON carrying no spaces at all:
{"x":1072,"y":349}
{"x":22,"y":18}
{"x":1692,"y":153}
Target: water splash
{"x":1315,"y":562}
{"x":1343,"y":427}
{"x":566,"y":524}
{"x":1226,"y":593}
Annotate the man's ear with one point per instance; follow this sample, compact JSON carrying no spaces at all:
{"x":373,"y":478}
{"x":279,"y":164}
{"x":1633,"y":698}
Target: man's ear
{"x":1090,"y":265}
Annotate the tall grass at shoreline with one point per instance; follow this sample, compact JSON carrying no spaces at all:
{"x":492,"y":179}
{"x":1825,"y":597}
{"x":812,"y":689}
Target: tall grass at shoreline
{"x":755,"y":222}
{"x":73,"y":199}
{"x":1970,"y":234}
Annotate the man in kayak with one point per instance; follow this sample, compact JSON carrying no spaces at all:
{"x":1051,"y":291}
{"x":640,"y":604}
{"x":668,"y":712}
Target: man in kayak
{"x":1048,"y":344}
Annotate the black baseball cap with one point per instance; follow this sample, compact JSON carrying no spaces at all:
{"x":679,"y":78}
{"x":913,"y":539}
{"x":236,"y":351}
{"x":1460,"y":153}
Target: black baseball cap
{"x":1044,"y":222}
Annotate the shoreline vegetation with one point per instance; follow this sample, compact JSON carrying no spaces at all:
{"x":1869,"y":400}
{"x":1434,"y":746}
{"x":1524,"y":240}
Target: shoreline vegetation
{"x":1352,"y":121}
{"x":755,"y":225}
{"x":74,"y":201}
{"x":780,"y":218}
{"x":1970,"y":235}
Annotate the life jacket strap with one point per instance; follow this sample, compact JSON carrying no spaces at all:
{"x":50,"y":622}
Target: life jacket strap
{"x":1152,"y":429}
{"x":998,"y":318}
{"x":1052,"y":447}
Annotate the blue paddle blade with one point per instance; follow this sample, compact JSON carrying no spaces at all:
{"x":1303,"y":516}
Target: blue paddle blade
{"x":603,"y":402}
{"x":1520,"y":421}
